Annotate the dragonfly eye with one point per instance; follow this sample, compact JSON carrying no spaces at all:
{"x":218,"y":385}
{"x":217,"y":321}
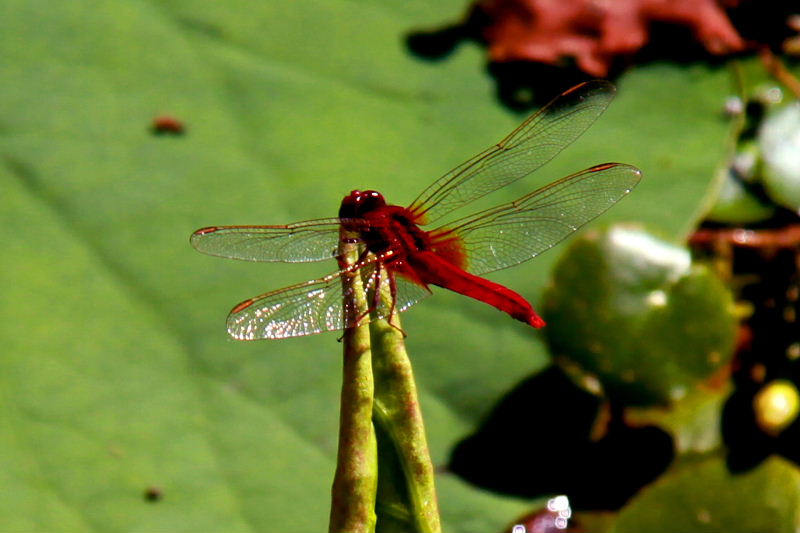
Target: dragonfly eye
{"x":358,"y":203}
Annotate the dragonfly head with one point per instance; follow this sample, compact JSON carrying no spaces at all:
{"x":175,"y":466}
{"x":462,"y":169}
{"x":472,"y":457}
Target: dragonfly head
{"x":358,"y":203}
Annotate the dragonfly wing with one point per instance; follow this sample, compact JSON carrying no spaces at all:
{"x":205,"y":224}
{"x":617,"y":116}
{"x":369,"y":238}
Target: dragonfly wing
{"x":535,"y":142}
{"x":407,"y":292}
{"x":318,"y":305}
{"x":302,"y":309}
{"x":515,"y":232}
{"x":313,"y":240}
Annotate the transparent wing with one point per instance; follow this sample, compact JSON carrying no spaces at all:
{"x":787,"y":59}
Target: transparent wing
{"x":312,"y":240}
{"x":518,"y":231}
{"x":535,"y":142}
{"x":318,"y":305}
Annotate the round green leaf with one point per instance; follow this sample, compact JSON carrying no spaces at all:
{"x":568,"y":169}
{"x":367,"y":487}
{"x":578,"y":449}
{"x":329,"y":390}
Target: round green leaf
{"x":694,"y":423}
{"x":635,"y":312}
{"x":735,"y":203}
{"x":779,"y":138}
{"x":705,"y":496}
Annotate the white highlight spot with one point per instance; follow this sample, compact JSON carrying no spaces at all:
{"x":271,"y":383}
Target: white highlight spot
{"x":560,"y":506}
{"x":649,"y":252}
{"x":657,"y":298}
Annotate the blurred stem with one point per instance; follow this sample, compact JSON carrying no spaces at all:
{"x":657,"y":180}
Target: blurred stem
{"x":401,"y":436}
{"x":778,"y":70}
{"x":737,"y":124}
{"x":356,"y":478}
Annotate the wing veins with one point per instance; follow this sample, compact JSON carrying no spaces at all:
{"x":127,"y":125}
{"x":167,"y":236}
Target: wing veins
{"x":512,"y":233}
{"x":320,"y":304}
{"x":312,"y":240}
{"x":475,"y":178}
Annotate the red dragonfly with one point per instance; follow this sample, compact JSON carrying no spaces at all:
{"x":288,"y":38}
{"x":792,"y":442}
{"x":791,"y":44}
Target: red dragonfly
{"x":401,"y":257}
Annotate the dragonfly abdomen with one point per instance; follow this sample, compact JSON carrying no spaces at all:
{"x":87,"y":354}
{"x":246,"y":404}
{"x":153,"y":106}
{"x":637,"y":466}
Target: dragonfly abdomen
{"x":435,"y":271}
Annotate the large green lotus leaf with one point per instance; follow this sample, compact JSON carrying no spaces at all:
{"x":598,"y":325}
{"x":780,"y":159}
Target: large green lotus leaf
{"x":705,"y":496}
{"x":117,"y":372}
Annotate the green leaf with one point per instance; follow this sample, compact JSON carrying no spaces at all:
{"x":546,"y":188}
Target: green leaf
{"x":735,"y":203}
{"x":647,"y":322}
{"x":779,"y":138}
{"x":694,"y":423}
{"x":704,"y":496}
{"x":117,"y":374}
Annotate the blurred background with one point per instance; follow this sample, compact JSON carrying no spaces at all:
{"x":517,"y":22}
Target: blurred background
{"x":661,"y":396}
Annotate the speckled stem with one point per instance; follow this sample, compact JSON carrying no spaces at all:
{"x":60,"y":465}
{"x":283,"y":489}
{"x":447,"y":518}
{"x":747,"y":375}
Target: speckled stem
{"x":398,"y":420}
{"x":355,"y":482}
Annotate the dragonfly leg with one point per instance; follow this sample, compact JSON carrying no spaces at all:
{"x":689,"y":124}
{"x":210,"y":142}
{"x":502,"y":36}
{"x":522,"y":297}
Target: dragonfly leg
{"x":393,"y":305}
{"x":352,"y":269}
{"x":375,"y":298}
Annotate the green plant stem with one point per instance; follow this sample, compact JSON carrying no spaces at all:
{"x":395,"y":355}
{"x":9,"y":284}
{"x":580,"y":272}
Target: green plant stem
{"x":355,"y":481}
{"x":399,"y":418}
{"x":384,"y":475}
